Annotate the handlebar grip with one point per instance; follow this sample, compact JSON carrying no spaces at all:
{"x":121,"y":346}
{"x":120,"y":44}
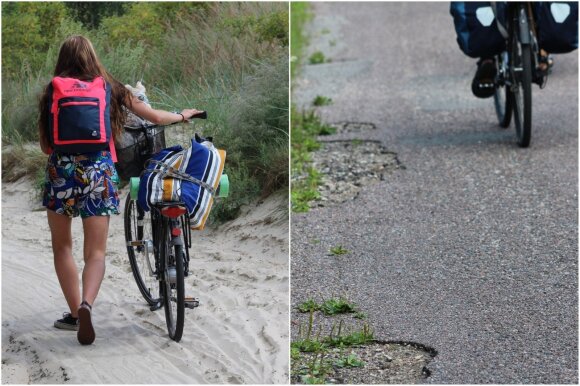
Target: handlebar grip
{"x":201,"y":115}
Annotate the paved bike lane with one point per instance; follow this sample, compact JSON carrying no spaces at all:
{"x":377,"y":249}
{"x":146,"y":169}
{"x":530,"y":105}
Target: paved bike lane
{"x":472,"y":248}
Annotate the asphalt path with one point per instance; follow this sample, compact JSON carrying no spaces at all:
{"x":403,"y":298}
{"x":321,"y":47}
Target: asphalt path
{"x":472,"y":249}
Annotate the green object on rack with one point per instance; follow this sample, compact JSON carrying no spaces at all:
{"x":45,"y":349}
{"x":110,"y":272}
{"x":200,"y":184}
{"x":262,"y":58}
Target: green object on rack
{"x":224,"y":186}
{"x":134,"y":182}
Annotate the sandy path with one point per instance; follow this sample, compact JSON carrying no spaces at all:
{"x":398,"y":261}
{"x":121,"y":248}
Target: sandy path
{"x":239,"y":334}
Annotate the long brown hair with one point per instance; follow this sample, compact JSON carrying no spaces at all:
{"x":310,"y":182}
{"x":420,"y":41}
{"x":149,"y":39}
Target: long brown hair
{"x":77,"y":59}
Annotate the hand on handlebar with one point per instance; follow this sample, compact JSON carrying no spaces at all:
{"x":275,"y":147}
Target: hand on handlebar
{"x":193,"y":113}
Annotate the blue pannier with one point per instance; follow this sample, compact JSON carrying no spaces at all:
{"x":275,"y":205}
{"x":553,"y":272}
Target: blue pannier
{"x":476,"y":27}
{"x":557,"y":25}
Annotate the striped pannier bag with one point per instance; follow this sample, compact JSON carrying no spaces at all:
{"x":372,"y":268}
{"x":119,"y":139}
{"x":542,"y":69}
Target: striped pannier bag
{"x":189,"y":175}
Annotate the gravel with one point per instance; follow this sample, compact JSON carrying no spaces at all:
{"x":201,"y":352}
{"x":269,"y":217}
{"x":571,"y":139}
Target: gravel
{"x":384,"y":363}
{"x":347,"y":166}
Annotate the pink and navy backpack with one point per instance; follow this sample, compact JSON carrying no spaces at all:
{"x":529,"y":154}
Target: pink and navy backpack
{"x":80,"y":118}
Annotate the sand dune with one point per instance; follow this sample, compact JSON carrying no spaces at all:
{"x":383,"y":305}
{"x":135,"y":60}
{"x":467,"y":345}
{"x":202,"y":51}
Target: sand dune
{"x":239,"y":334}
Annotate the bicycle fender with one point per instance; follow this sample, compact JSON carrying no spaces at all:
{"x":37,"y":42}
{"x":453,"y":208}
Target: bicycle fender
{"x":524,"y":28}
{"x":176,"y":241}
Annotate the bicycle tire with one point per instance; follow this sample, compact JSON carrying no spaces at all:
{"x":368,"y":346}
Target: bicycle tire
{"x":140,"y":262}
{"x":522,"y":92}
{"x":173,"y":293}
{"x":502,"y":98}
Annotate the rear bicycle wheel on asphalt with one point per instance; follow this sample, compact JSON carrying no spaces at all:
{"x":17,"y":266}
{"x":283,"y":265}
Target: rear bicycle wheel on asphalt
{"x":521,"y":91}
{"x":172,"y":283}
{"x":502,"y":98}
{"x":139,"y":241}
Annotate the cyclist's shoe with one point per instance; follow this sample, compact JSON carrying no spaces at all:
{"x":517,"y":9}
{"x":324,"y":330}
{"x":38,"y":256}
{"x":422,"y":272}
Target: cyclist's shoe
{"x":545,"y":64}
{"x":67,"y":322}
{"x":86,"y":334}
{"x":483,"y":84}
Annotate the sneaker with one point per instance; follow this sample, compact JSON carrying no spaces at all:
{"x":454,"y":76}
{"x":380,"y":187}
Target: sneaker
{"x":86,"y":334}
{"x":483,"y":84}
{"x":67,"y":322}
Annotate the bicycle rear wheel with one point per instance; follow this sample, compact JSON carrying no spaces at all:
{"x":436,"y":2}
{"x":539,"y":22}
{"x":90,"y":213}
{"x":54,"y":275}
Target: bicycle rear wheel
{"x":502,"y":97}
{"x":521,"y":91}
{"x":172,"y":281}
{"x":139,"y":241}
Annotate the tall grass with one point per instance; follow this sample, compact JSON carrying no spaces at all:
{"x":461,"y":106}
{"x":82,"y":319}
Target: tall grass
{"x":230,"y":59}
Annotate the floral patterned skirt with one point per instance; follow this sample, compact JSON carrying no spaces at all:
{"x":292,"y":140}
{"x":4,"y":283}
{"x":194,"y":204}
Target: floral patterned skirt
{"x":83,"y":184}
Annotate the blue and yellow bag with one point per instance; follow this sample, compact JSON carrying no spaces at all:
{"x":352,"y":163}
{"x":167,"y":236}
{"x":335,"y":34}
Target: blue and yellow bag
{"x":188,"y":175}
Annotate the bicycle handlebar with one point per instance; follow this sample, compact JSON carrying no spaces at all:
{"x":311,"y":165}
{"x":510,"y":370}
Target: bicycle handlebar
{"x":200,"y":115}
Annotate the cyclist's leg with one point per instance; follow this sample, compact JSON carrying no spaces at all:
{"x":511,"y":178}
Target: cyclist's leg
{"x":64,"y":264}
{"x":96,"y":230}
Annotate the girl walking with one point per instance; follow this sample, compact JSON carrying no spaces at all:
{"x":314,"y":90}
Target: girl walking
{"x":83,"y":183}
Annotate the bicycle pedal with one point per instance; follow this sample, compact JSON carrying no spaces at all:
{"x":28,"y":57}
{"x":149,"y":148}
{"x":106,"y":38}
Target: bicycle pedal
{"x":191,"y":302}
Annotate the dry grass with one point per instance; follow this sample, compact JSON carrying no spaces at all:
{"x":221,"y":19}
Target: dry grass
{"x":21,"y":160}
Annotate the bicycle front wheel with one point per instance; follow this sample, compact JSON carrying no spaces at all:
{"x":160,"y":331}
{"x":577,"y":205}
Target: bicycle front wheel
{"x":173,"y":281}
{"x":139,"y":241}
{"x":522,"y":91}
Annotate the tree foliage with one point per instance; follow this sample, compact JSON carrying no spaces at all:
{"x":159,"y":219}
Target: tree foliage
{"x":90,"y":13}
{"x":28,"y":30}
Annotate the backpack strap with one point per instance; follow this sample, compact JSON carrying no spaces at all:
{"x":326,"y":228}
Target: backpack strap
{"x":112,"y":149}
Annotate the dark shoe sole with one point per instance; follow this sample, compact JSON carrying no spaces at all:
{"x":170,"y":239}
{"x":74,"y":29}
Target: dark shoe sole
{"x":86,"y":334}
{"x":482,"y":85}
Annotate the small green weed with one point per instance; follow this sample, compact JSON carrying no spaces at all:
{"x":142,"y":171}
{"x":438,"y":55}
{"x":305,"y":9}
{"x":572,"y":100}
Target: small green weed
{"x":350,"y":361}
{"x":338,"y":250}
{"x":316,"y":370}
{"x":300,"y":199}
{"x":308,"y":306}
{"x":294,"y":353}
{"x":308,"y":345}
{"x":327,"y":130}
{"x":317,"y":58}
{"x":337,"y":306}
{"x":362,"y":336}
{"x":306,"y":126}
{"x":313,"y":368}
{"x":310,"y":379}
{"x":360,"y":315}
{"x":321,"y":101}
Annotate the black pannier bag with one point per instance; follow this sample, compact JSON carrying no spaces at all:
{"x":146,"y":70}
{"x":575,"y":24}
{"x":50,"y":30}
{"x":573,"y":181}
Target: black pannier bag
{"x":475,"y":24}
{"x":557,"y":26}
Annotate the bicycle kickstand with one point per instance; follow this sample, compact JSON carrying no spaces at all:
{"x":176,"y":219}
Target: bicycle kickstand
{"x":156,"y":306}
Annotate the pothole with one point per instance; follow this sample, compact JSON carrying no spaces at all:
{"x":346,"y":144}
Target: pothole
{"x":347,"y":166}
{"x":373,"y":363}
{"x":353,"y":127}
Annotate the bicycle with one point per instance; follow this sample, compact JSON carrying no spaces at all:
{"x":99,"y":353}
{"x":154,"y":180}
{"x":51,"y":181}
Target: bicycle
{"x":158,"y":243}
{"x":517,"y":69}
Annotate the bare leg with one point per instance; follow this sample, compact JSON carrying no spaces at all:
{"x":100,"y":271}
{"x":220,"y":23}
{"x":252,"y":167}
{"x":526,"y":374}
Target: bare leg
{"x":96,"y":230}
{"x":64,"y":264}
